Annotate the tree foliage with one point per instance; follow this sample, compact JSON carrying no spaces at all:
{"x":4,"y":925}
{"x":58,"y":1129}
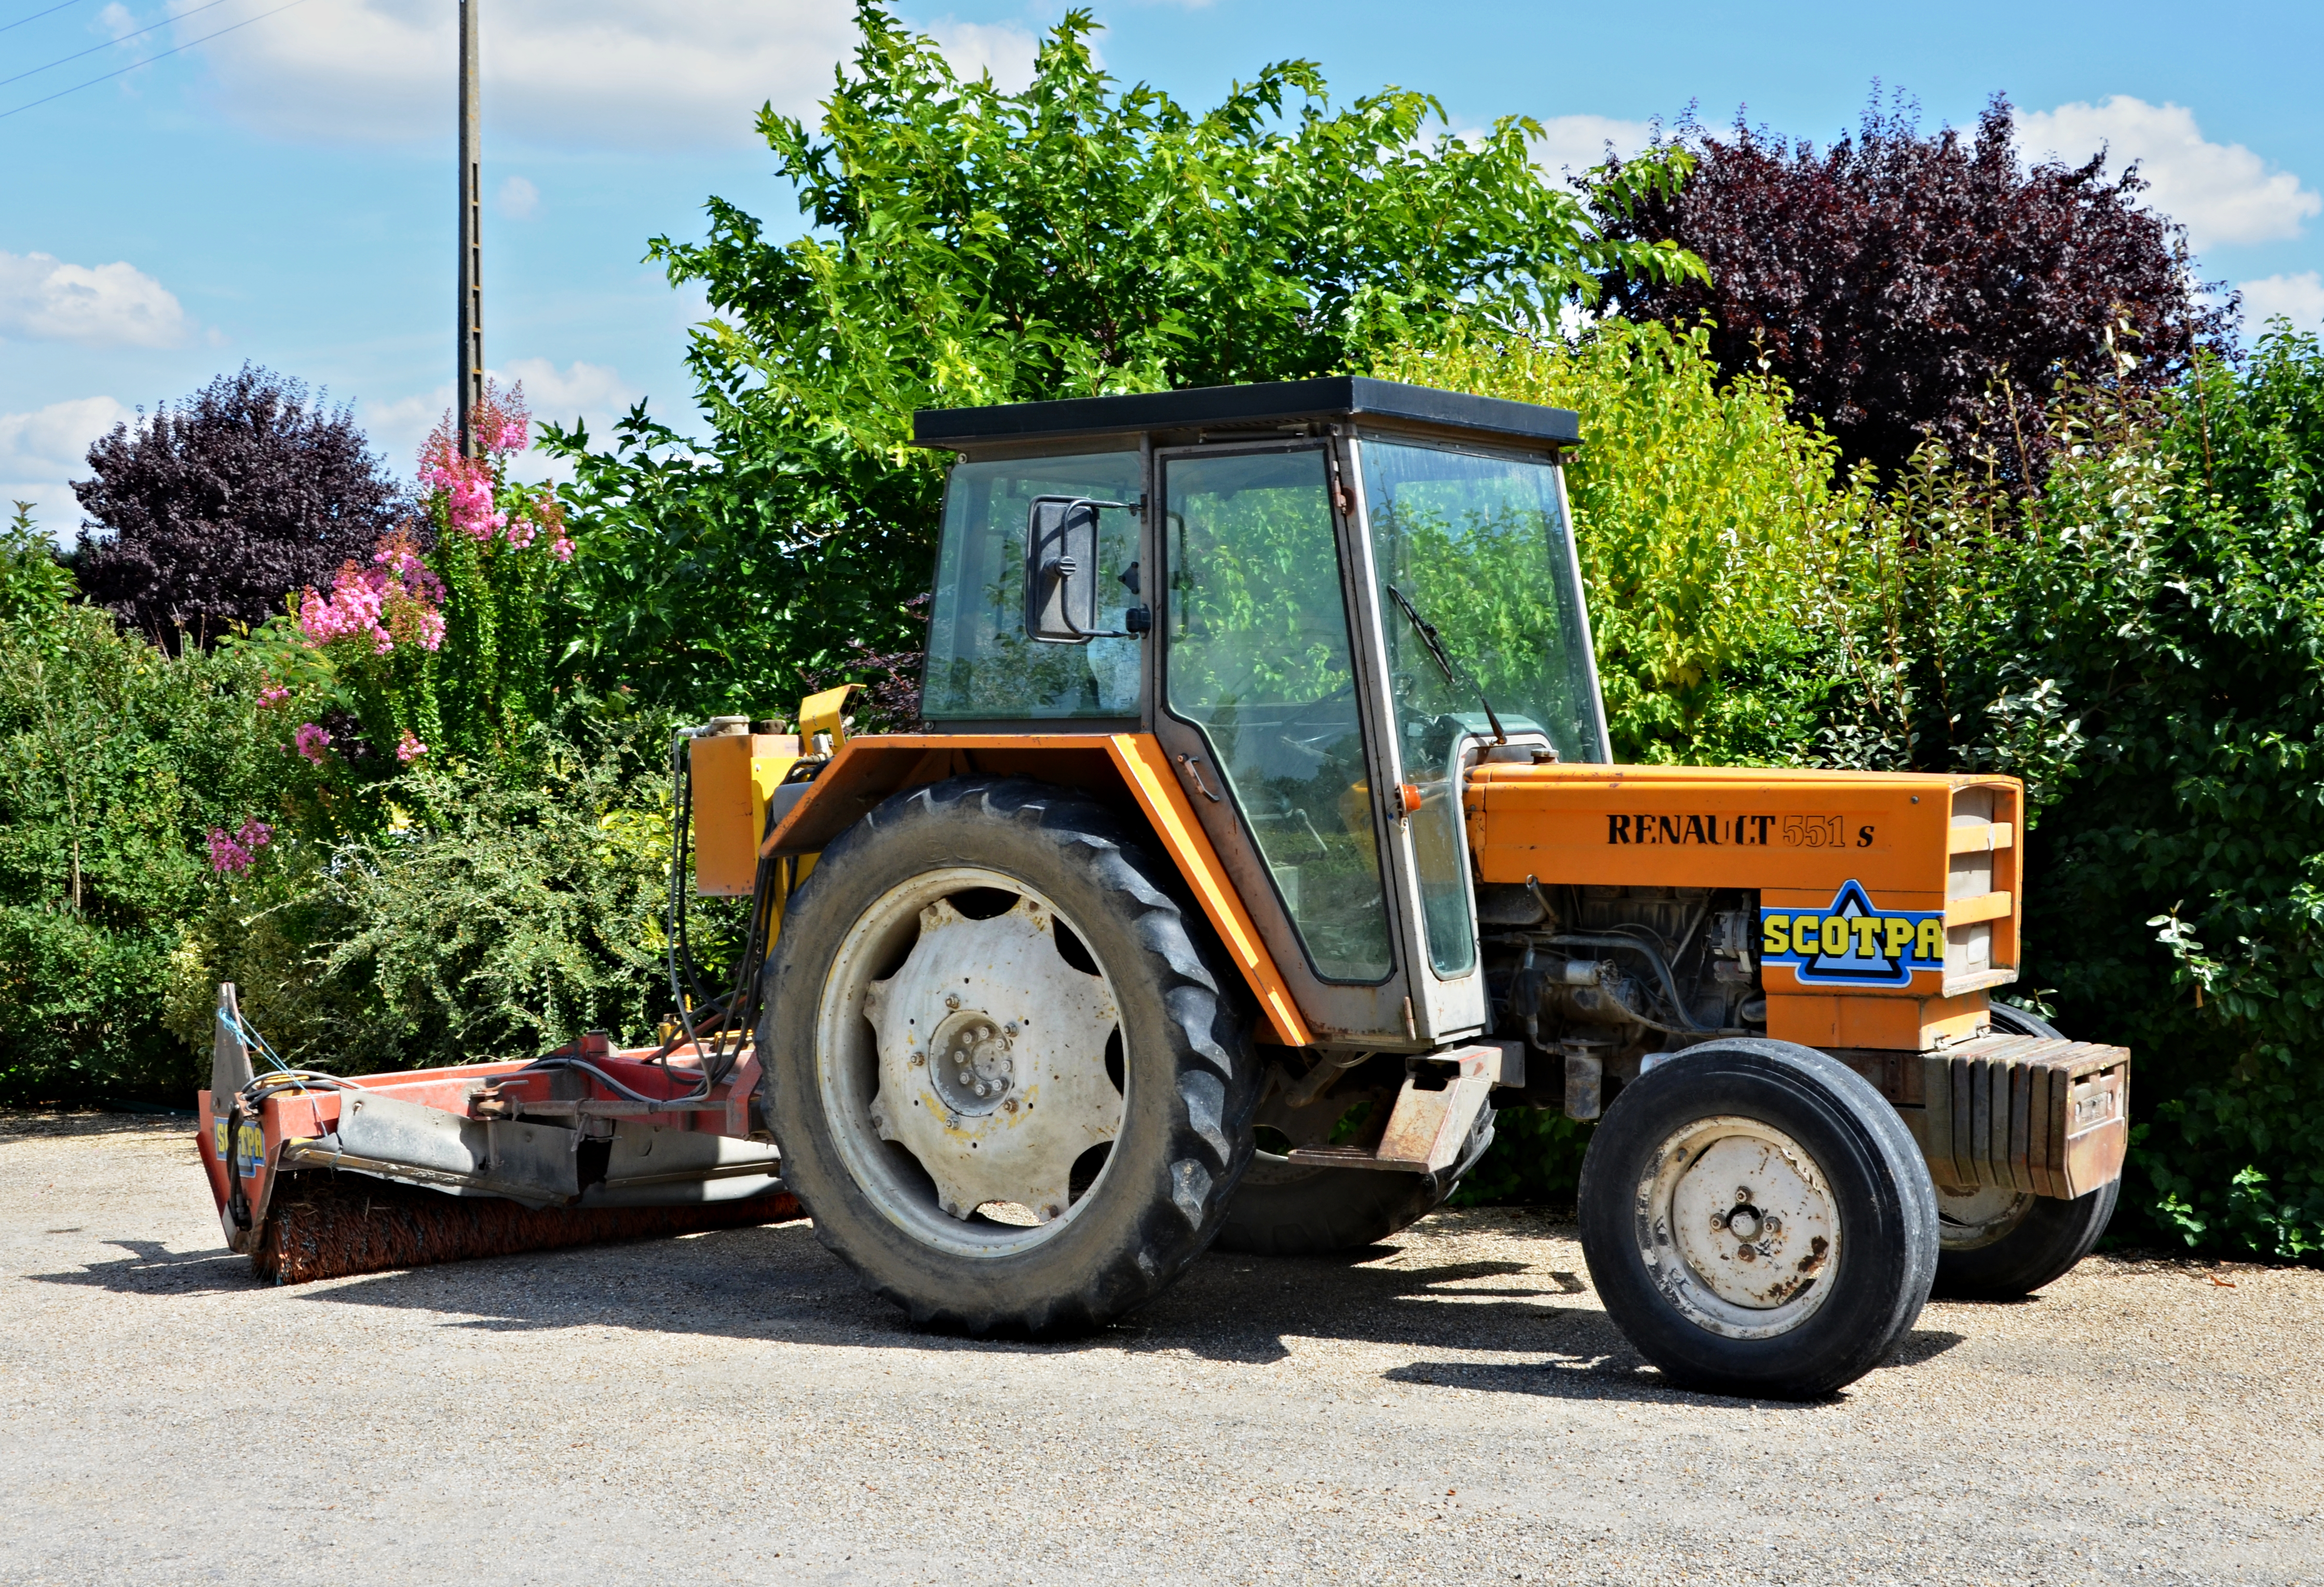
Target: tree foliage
{"x":1908,"y":285}
{"x":971,"y":246}
{"x":1717,"y":535}
{"x":117,"y":762}
{"x":2143,"y":640}
{"x":208,"y":513}
{"x":513,"y":905}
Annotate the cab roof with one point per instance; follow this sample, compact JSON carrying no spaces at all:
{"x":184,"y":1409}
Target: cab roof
{"x":1279,"y":404}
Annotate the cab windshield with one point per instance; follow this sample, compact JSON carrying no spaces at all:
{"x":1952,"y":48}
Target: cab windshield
{"x":1479,"y":547}
{"x":1476,"y":548}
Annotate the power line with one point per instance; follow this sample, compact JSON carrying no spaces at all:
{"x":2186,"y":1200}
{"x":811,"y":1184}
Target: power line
{"x":108,"y":44}
{"x":157,"y":55}
{"x":36,"y":16}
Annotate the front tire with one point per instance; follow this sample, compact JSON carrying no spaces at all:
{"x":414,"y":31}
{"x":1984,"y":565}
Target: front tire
{"x":1007,"y":1073}
{"x":1757,"y":1220}
{"x":1997,"y":1244}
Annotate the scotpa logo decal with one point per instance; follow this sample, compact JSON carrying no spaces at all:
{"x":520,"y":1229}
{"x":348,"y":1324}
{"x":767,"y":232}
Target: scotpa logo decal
{"x":1853,"y":944}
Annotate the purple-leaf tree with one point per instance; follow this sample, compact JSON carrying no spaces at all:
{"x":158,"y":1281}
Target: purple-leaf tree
{"x":210,"y":512}
{"x":1908,"y":285}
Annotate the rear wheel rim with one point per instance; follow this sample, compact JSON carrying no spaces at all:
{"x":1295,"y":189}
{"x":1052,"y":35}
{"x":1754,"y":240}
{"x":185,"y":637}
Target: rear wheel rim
{"x":1737,"y":1227}
{"x":961,"y":1063}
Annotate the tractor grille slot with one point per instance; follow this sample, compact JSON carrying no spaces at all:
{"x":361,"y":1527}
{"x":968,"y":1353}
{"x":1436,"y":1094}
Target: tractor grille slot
{"x":1980,"y":884}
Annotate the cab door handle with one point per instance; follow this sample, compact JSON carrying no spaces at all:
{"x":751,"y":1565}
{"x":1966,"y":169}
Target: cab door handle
{"x":1193,"y":767}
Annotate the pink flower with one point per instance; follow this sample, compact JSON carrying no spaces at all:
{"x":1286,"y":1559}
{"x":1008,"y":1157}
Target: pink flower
{"x":392,"y":602}
{"x":561,"y":548}
{"x":227,"y":855}
{"x":236,"y":853}
{"x":272,"y":695}
{"x":520,"y":532}
{"x":466,"y":483}
{"x":311,"y":740}
{"x":409,"y":748}
{"x":352,"y":610}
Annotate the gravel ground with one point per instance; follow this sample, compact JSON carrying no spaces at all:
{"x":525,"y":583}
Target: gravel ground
{"x":1452,"y":1405}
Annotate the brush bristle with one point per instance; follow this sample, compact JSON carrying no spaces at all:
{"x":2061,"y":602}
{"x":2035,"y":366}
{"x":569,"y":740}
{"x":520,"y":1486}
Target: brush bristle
{"x":326,"y":1225}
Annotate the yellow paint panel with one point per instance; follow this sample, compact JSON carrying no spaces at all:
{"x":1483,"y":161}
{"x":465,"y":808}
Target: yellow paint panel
{"x":1983,"y":837}
{"x":1145,"y":767}
{"x":1985,"y":906}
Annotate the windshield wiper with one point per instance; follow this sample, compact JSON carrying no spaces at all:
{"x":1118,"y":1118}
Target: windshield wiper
{"x":1436,"y":647}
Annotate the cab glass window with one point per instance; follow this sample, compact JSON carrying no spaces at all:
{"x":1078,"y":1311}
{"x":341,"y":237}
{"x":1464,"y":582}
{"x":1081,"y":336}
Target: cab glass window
{"x":1259,"y":660}
{"x":980,"y":665}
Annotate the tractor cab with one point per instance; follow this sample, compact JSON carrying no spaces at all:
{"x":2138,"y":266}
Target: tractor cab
{"x":1325,"y":599}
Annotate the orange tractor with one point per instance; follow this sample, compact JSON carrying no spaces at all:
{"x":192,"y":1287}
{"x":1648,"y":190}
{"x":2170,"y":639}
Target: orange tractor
{"x":1261,"y":838}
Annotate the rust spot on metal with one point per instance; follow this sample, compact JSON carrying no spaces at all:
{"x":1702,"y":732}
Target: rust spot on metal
{"x":1813,"y":1260}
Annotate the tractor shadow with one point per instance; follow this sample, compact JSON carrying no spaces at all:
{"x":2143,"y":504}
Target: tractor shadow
{"x":776,"y":1284}
{"x":152,"y":1268}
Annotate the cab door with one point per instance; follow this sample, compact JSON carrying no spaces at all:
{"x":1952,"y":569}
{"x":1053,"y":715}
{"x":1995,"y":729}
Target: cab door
{"x":1264,"y":706}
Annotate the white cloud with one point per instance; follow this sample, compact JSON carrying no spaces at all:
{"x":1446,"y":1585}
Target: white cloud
{"x":1571,"y":144}
{"x":592,"y":393}
{"x":44,"y":299}
{"x":618,"y":73}
{"x":518,"y":199}
{"x":2299,"y":299}
{"x":41,"y":452}
{"x":975,"y":48}
{"x":2221,"y":192}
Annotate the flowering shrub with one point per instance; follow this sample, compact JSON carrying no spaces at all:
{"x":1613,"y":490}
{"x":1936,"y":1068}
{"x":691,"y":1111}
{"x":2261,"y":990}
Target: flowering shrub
{"x":397,"y":600}
{"x":436,"y":640}
{"x":500,"y":546}
{"x":238,"y":851}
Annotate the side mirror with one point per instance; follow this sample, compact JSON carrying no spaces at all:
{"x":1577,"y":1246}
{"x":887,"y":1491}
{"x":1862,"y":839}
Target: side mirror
{"x":1061,"y":569}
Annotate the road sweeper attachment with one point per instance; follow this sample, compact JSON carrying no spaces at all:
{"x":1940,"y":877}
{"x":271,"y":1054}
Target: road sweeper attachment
{"x":318,"y":1175}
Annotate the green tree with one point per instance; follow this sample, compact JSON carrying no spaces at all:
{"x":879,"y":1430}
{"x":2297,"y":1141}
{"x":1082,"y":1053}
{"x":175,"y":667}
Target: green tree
{"x":2143,"y":640}
{"x":970,"y":246}
{"x":1720,"y":546}
{"x":126,"y":776}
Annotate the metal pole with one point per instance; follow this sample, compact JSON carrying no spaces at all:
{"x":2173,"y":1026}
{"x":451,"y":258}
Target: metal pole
{"x":471,"y":351}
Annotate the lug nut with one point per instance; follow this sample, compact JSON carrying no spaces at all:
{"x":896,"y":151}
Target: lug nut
{"x":951,"y":1000}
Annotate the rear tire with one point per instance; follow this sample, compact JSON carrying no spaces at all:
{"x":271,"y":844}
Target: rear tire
{"x":1149,"y":1047}
{"x":1746,"y":1145}
{"x":1999,"y":1246}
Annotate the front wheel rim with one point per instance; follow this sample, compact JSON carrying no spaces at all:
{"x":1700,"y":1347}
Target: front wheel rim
{"x":1737,"y":1227}
{"x":961,"y":1063}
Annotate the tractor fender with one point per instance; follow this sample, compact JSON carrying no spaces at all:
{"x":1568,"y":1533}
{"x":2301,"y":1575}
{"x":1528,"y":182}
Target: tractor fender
{"x":1130,"y":770}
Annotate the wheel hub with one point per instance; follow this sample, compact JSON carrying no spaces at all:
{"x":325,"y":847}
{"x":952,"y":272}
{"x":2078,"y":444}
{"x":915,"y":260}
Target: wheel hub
{"x":972,"y":1067}
{"x":992,"y":1059}
{"x":1738,"y":1227}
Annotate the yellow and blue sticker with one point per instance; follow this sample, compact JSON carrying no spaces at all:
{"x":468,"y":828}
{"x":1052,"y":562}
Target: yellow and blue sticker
{"x":243,"y":1152}
{"x":1852,"y":943}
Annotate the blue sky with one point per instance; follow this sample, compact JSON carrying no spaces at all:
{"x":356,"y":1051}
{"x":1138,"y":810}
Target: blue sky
{"x":283,"y":192}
